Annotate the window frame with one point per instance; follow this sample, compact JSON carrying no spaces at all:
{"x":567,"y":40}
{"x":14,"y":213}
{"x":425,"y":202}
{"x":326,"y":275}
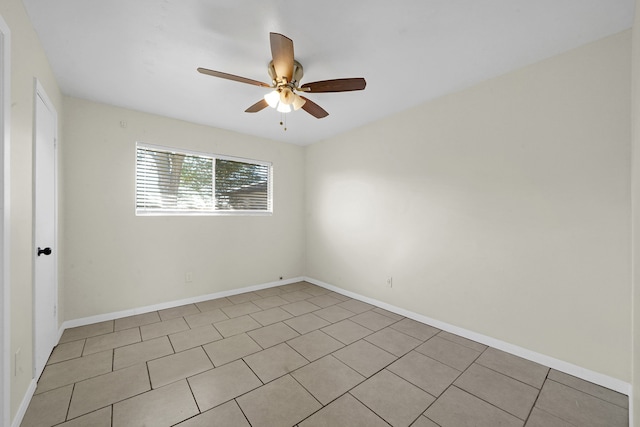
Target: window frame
{"x":213,"y":212}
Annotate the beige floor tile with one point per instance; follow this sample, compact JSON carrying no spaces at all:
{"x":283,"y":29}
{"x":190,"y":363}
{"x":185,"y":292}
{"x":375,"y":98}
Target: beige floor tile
{"x":388,"y":313}
{"x":395,"y":342}
{"x":504,"y":392}
{"x":244,"y":297}
{"x":315,"y":290}
{"x":270,"y":302}
{"x":281,"y":403}
{"x":238,"y":310}
{"x":271,"y":335}
{"x":66,"y":351}
{"x":307,"y":323}
{"x":275,"y":362}
{"x":99,"y":418}
{"x":448,"y":352}
{"x":178,"y":366}
{"x":194,"y":337}
{"x":222,"y":384}
{"x":230,"y":349}
{"x":292,"y":287}
{"x":457,"y":408}
{"x":299,"y":308}
{"x":268,"y":292}
{"x":495,"y":388}
{"x":81,"y":332}
{"x":394,"y":399}
{"x":372,"y":320}
{"x":49,"y":408}
{"x":346,"y":411}
{"x":334,"y":314}
{"x":207,"y":318}
{"x":98,"y":392}
{"x":212,"y":304}
{"x":225,"y":415}
{"x":347,"y":331}
{"x":415,"y":329}
{"x":516,"y":367}
{"x":365,"y":357}
{"x":463,"y":341}
{"x":578,"y":408}
{"x":237,"y":325}
{"x":180,"y":311}
{"x":540,"y":418}
{"x":111,"y":341}
{"x":74,"y":370}
{"x":271,"y":316}
{"x":590,"y":388}
{"x":133,"y":354}
{"x":339,"y":296}
{"x":296,"y":296}
{"x":324,"y":300}
{"x":428,"y":374}
{"x":137,"y":320}
{"x":159,"y":329}
{"x":315,"y":345}
{"x":327,"y":378}
{"x":163,"y":407}
{"x":356,"y":306}
{"x":424,"y":422}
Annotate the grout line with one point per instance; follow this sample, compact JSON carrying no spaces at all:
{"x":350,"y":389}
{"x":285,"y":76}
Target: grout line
{"x":587,"y":393}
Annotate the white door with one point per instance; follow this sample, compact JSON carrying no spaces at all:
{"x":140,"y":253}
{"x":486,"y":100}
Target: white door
{"x":45,"y":281}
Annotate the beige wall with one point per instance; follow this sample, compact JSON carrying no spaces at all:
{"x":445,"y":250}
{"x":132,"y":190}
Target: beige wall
{"x":27,"y":61}
{"x":115,"y":260}
{"x":636,"y":214}
{"x":503,"y":209}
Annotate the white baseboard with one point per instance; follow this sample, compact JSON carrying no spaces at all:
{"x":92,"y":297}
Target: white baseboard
{"x":22,"y":409}
{"x":170,"y":304}
{"x":559,"y":365}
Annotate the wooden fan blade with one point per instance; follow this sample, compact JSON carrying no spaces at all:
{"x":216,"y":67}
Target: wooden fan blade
{"x":336,"y":85}
{"x":282,"y":53}
{"x":314,"y":109}
{"x":232,"y":77}
{"x":258,"y":106}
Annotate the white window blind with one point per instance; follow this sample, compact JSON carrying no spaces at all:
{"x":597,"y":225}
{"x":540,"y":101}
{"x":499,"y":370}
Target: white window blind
{"x":169,"y":181}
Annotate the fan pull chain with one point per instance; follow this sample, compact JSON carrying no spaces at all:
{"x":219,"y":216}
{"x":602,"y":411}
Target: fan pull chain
{"x":283,"y":121}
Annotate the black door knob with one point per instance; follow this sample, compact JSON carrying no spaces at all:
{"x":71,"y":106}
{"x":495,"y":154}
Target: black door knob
{"x":45,"y":251}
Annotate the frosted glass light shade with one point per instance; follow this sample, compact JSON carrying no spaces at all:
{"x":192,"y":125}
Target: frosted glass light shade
{"x":272,"y":98}
{"x":284,"y":108}
{"x":298,"y":102}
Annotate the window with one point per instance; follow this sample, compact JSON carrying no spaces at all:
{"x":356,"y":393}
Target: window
{"x":170,"y":181}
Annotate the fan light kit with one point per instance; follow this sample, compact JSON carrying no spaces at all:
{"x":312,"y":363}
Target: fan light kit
{"x":286,"y":73}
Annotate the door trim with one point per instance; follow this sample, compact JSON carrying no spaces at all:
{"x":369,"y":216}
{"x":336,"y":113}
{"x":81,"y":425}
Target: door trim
{"x":5,"y":295}
{"x":39,"y":92}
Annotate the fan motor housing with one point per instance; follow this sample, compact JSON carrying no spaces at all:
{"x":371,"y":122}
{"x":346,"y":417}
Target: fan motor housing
{"x":298,"y":72}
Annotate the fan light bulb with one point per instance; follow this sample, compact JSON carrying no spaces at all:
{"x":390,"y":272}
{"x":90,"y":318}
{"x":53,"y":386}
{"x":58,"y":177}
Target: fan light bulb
{"x":284,"y":108}
{"x":284,"y":100}
{"x":272,"y":98}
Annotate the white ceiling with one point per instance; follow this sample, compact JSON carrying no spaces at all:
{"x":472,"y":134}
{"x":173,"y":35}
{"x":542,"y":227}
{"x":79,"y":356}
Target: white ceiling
{"x":143,"y":54}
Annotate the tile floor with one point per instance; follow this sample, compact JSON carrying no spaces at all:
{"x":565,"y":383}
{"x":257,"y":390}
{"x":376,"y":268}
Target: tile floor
{"x":300,"y":355}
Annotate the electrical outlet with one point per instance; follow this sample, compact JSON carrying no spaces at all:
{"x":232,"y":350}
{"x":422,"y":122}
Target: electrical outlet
{"x":188,"y":277}
{"x":390,"y":282}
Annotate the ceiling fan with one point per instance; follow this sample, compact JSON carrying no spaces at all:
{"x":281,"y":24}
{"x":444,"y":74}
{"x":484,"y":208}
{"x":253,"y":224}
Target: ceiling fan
{"x":286,"y":73}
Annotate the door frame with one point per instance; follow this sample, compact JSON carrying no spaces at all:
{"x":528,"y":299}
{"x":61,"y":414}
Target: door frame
{"x":39,"y":92}
{"x":5,"y":111}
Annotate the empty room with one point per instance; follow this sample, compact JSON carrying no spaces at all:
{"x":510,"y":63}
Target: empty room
{"x":415,"y":213}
